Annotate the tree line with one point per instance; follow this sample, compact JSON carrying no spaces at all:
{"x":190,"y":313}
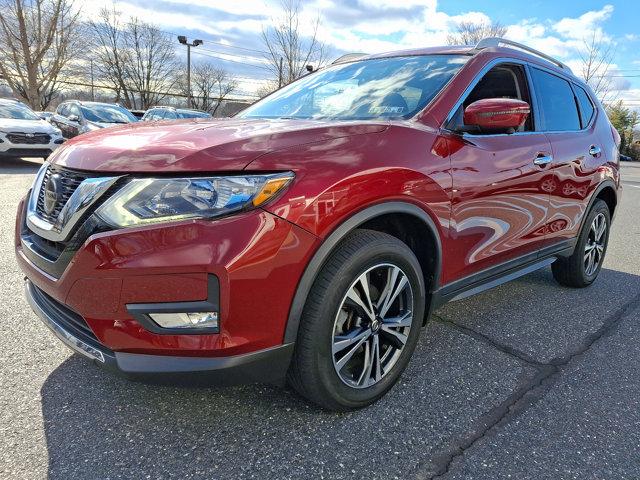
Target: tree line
{"x":45,"y":46}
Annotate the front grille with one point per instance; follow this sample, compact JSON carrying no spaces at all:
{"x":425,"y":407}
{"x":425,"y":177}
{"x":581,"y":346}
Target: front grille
{"x":63,"y":314}
{"x":70,"y":181}
{"x":28,"y":139}
{"x":53,"y":257}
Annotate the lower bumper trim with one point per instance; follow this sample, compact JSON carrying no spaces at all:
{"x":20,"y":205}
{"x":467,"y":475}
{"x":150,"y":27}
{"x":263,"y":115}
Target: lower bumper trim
{"x":263,"y":366}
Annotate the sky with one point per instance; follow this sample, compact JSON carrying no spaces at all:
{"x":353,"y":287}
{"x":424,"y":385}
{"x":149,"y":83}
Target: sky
{"x":231,"y":29}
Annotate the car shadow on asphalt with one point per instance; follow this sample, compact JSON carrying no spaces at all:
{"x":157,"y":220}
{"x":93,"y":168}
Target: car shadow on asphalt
{"x":101,"y":426}
{"x":13,"y":166}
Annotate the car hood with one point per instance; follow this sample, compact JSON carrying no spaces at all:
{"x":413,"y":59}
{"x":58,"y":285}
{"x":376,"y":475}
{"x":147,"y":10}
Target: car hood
{"x":25,"y":126}
{"x":196,"y":145}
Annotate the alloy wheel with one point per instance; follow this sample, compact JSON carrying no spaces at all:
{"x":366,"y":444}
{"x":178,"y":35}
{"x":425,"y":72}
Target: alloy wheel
{"x":372,"y":325}
{"x":594,"y":248}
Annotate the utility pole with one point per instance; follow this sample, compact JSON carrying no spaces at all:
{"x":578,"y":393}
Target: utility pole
{"x":280,"y":74}
{"x":183,"y":40}
{"x":93,"y":92}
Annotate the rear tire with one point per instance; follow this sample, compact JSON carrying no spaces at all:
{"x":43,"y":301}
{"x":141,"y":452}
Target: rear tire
{"x":583,"y":266}
{"x":346,"y":321}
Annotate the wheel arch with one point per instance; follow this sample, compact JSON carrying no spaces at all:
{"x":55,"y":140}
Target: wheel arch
{"x":607,"y":192}
{"x":363,"y":218}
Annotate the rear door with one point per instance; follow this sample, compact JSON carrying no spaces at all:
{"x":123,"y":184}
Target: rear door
{"x":499,"y":204}
{"x":567,"y":116}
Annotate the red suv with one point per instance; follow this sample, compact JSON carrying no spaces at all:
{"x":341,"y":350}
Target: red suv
{"x":309,"y":237}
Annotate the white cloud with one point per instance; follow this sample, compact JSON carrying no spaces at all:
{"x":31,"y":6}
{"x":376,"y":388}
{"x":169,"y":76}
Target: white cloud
{"x":586,"y":23}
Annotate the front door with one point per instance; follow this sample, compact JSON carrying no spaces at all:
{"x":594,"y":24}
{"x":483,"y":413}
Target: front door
{"x":499,"y":202}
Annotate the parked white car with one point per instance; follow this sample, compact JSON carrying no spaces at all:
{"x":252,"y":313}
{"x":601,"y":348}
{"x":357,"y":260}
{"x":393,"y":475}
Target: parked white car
{"x":24,"y":134}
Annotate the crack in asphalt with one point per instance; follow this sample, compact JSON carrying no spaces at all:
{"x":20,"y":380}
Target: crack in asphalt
{"x":523,"y":397}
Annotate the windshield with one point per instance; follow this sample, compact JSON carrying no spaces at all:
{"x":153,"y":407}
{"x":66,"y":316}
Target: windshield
{"x":17,"y":111}
{"x":397,"y":87}
{"x":107,"y":114}
{"x":192,"y":114}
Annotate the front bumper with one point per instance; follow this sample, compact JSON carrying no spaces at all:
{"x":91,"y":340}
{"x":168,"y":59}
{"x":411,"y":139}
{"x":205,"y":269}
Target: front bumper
{"x":263,"y":366}
{"x":15,"y":150}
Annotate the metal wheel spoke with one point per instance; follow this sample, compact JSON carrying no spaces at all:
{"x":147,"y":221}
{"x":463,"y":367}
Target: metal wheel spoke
{"x":366,"y":366}
{"x":347,"y":356}
{"x":589,"y":268}
{"x":588,"y":251}
{"x":398,"y":339}
{"x":340,"y":342}
{"x":363,"y":305}
{"x":393,"y":291}
{"x":600,"y":249}
{"x":377,"y":366}
{"x":397,"y":322}
{"x":601,"y":228}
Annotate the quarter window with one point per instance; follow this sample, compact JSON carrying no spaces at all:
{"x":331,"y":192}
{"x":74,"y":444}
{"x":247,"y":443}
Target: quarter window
{"x":586,"y":107}
{"x":557,"y":103}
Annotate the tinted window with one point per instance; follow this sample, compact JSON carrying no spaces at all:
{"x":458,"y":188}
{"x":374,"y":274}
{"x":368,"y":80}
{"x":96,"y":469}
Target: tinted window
{"x":74,"y":110}
{"x":104,"y":113}
{"x":502,"y":81}
{"x":192,"y":114}
{"x":586,"y":107}
{"x":17,"y":111}
{"x":557,"y":104}
{"x":63,"y":110}
{"x":152,"y":115}
{"x":395,"y":87}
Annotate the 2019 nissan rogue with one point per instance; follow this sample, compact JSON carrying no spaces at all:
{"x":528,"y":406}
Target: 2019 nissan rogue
{"x":309,"y":237}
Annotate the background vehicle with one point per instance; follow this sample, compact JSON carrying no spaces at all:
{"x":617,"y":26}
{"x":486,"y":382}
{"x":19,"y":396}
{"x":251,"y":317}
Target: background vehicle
{"x":138,"y":113}
{"x":24,"y":134}
{"x":170,"y":113}
{"x":311,"y":236}
{"x":74,"y":117}
{"x":625,"y":158}
{"x":45,"y":115}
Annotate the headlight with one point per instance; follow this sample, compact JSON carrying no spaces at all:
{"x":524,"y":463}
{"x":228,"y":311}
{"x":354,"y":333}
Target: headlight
{"x":153,"y":200}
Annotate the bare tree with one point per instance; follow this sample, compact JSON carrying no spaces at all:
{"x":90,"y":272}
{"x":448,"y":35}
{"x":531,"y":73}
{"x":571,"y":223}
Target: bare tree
{"x":135,"y":57}
{"x":470,"y":33}
{"x":289,"y":51}
{"x":210,"y":86}
{"x":38,"y":39}
{"x":596,"y":57}
{"x":267,"y":88}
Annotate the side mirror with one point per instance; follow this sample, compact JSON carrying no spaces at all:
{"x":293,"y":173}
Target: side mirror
{"x":496,"y":114}
{"x":73,"y":118}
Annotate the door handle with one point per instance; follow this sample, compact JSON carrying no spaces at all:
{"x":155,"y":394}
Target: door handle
{"x":595,"y":151}
{"x":543,"y":159}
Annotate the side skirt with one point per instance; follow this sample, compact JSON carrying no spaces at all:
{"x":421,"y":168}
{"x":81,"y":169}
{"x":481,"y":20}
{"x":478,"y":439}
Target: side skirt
{"x":495,"y":276}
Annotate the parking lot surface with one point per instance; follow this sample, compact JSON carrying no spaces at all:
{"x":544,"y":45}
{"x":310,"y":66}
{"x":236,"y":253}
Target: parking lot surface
{"x":528,"y":380}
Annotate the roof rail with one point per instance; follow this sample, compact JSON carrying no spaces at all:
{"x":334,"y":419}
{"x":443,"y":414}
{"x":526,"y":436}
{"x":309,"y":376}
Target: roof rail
{"x":497,"y":41}
{"x":349,"y":57}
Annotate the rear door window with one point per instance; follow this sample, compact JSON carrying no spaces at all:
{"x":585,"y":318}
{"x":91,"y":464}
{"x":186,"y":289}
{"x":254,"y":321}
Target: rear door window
{"x":558,"y":110}
{"x":586,"y":107}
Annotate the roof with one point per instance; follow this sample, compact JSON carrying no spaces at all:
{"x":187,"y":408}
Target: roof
{"x":491,"y":44}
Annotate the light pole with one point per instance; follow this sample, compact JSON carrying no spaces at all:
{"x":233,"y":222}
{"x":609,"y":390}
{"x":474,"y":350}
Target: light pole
{"x":183,"y":40}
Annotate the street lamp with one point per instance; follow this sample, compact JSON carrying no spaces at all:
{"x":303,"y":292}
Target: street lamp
{"x":183,"y":40}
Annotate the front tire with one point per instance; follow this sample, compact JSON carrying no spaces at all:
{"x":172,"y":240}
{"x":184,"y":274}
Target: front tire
{"x":583,"y":266}
{"x":360,"y":324}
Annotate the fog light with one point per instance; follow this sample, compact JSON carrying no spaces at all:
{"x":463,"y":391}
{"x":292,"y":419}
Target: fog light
{"x":204,"y":320}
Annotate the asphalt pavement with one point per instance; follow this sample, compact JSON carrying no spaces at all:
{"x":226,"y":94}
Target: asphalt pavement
{"x":528,"y":380}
